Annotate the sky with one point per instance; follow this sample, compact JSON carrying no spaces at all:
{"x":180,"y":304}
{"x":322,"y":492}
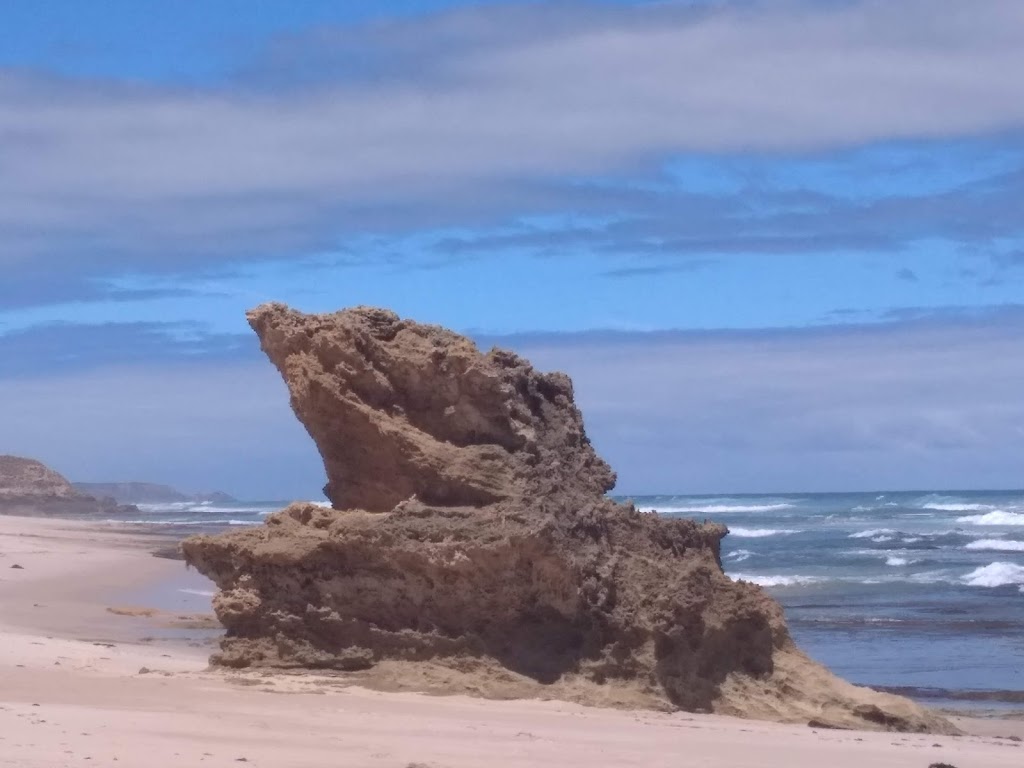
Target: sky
{"x":779,"y":246}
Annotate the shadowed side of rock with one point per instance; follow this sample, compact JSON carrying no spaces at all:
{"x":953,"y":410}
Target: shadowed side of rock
{"x":473,"y":550}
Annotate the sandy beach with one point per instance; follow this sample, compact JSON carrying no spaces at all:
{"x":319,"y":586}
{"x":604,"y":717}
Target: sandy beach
{"x":90,"y":674}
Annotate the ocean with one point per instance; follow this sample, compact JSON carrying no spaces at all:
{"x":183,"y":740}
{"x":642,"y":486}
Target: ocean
{"x":917,"y":592}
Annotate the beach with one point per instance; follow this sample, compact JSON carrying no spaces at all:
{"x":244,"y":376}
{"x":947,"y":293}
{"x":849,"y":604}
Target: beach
{"x":103,"y":659}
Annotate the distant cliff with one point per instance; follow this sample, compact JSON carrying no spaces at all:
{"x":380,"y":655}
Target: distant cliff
{"x":149,"y":493}
{"x":29,"y":487}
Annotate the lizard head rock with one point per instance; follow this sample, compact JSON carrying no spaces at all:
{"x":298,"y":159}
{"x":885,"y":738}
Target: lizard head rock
{"x":471,"y":547}
{"x":400,"y":409}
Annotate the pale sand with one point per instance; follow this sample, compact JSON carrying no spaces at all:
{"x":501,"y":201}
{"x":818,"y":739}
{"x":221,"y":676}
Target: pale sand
{"x":71,"y":694}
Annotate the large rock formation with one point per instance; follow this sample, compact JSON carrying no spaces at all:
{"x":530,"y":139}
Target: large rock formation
{"x":399,"y":410}
{"x":28,"y":487}
{"x":471,"y":547}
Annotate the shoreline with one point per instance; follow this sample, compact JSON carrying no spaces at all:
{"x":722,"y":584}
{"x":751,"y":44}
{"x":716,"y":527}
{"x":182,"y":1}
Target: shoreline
{"x":92,"y":665}
{"x":951,"y":702}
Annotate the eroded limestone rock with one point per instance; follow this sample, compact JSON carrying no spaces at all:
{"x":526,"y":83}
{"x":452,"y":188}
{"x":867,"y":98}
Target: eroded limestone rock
{"x":400,"y":409}
{"x":472,"y":549}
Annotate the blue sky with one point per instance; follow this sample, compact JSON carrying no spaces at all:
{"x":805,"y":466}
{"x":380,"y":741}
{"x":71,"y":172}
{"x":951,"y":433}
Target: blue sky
{"x":702,"y":189}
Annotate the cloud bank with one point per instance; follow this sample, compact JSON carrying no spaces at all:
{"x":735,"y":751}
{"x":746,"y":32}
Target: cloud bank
{"x":932,"y":403}
{"x":923,"y":405}
{"x":470,"y":115}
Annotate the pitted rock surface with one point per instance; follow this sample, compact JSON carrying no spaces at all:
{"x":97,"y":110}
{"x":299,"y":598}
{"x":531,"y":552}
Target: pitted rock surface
{"x":400,"y":409}
{"x":472,"y":548}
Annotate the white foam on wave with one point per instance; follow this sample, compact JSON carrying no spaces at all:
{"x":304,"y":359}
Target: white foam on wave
{"x":236,"y":509}
{"x":995,"y":517}
{"x":171,"y":506}
{"x":997,"y":545}
{"x":183,"y":522}
{"x":897,"y":562}
{"x":881,"y":539}
{"x":871,"y":534}
{"x":995,"y":575}
{"x":718,"y":509}
{"x":775,"y":581}
{"x":199,"y":592}
{"x":957,"y":507}
{"x":167,"y":522}
{"x":200,"y":508}
{"x":739,"y":555}
{"x":759,"y":533}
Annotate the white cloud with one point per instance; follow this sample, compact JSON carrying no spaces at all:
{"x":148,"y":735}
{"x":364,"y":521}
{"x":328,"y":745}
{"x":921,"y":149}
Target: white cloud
{"x":479,"y":103}
{"x":933,"y":404}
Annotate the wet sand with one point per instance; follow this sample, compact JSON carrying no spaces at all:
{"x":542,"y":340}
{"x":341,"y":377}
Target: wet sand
{"x":103,"y":660}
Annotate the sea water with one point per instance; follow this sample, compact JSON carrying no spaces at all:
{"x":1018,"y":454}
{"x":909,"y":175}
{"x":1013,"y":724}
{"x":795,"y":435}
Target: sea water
{"x":921,"y":592}
{"x":917,"y":591}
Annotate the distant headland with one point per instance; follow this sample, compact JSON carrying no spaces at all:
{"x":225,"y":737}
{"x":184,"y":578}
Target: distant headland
{"x":150,"y":493}
{"x":29,"y":487}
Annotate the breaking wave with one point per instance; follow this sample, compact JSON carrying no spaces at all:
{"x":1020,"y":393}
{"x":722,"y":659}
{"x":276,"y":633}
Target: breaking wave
{"x":997,"y":545}
{"x":718,"y":509}
{"x":957,"y":507}
{"x":897,"y":562}
{"x":199,"y":592}
{"x":995,"y":575}
{"x":183,"y":522}
{"x":775,"y":581}
{"x":873,"y":533}
{"x":760,"y":533}
{"x":995,"y":517}
{"x":739,"y":555}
